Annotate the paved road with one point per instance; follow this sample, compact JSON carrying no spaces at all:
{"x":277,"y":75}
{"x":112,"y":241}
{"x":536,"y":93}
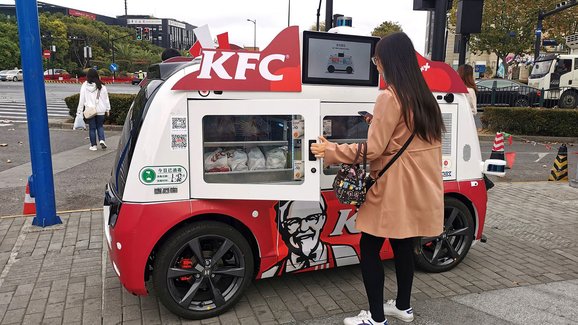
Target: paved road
{"x":527,"y":273}
{"x":13,"y":106}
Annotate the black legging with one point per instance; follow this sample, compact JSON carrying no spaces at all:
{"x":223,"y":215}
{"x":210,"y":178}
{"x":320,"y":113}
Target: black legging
{"x":373,"y":277}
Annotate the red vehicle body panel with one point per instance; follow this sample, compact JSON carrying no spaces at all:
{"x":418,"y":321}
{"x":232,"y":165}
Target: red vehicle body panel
{"x":139,"y":227}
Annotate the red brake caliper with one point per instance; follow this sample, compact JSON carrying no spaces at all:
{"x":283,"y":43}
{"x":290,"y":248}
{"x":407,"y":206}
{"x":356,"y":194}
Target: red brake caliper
{"x":186,"y":263}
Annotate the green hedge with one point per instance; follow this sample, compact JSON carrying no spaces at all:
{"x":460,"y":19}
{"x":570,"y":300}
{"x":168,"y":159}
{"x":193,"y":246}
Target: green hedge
{"x":532,"y":121}
{"x":119,"y":106}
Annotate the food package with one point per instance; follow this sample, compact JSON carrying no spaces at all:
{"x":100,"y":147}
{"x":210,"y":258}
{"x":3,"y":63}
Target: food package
{"x":298,"y":128}
{"x":237,"y":160}
{"x":256,"y":159}
{"x":298,"y":170}
{"x":276,"y":158}
{"x":216,"y":161}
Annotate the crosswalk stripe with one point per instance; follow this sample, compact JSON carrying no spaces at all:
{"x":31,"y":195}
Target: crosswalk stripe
{"x":16,"y":110}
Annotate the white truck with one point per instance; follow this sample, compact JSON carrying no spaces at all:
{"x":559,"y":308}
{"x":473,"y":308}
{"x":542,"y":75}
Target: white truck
{"x":557,"y":74}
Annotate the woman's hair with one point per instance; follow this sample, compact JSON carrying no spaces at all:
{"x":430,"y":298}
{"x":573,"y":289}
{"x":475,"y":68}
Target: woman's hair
{"x":401,"y":71}
{"x":466,"y":72}
{"x":93,"y":78}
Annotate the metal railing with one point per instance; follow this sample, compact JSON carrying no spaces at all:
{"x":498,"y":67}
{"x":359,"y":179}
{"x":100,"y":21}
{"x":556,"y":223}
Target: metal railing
{"x":522,"y":96}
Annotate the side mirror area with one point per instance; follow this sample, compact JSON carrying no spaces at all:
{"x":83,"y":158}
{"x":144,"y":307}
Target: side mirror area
{"x":495,"y":167}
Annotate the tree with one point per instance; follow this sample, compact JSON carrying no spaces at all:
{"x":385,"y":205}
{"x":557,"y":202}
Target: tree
{"x":509,"y":26}
{"x":70,"y":35}
{"x":9,"y":49}
{"x":386,"y":28}
{"x":321,"y":26}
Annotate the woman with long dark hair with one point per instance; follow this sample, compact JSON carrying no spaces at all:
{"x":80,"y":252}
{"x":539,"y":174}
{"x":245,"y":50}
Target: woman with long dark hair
{"x":466,"y":72}
{"x":93,"y":94}
{"x":407,"y":201}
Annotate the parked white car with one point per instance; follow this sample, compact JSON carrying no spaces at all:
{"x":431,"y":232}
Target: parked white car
{"x":11,"y":75}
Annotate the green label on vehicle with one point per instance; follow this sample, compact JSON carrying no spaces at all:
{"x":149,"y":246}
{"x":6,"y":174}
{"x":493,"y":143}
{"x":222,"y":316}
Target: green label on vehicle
{"x":148,"y":175}
{"x":163,"y":175}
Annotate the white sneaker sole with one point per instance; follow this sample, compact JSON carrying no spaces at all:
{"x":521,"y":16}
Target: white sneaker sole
{"x":401,"y":318}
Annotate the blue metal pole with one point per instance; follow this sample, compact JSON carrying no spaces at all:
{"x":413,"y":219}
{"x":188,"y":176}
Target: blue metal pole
{"x":36,"y":113}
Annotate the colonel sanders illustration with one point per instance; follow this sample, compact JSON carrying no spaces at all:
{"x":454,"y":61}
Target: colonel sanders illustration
{"x":300,"y":225}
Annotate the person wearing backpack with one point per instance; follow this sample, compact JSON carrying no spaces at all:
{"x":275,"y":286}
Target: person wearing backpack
{"x":406,"y":201}
{"x":94,"y":104}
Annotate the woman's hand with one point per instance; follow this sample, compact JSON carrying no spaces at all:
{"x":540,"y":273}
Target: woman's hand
{"x":318,"y":149}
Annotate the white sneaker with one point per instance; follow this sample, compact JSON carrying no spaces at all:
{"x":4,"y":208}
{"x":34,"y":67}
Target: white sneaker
{"x":364,"y":318}
{"x":102,"y":144}
{"x":92,"y":148}
{"x":389,"y":309}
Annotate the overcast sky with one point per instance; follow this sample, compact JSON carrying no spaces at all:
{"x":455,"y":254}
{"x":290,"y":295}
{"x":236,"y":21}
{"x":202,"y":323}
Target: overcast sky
{"x":271,"y":15}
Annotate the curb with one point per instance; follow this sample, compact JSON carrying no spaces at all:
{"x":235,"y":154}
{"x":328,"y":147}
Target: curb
{"x":55,"y":124}
{"x":490,"y":137}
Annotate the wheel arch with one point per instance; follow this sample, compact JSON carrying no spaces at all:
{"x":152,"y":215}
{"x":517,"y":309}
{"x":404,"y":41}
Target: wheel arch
{"x":213,"y":217}
{"x":468,"y":203}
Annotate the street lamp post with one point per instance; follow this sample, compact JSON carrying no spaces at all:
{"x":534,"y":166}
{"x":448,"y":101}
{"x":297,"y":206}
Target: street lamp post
{"x":289,"y":14}
{"x":254,"y":33}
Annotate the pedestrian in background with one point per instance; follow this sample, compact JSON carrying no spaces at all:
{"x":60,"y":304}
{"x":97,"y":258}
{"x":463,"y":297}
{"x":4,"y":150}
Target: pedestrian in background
{"x":93,"y":93}
{"x":407,"y":201}
{"x":466,"y":72}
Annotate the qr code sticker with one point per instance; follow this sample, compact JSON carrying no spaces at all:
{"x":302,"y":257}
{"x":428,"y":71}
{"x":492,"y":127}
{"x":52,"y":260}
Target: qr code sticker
{"x":178,"y":123}
{"x":178,"y":141}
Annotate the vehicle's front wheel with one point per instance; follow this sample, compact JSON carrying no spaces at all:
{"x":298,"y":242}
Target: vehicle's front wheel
{"x":202,"y":270}
{"x":349,"y":70}
{"x":331,"y":69}
{"x":443,"y":253}
{"x":569,"y":99}
{"x":15,"y":79}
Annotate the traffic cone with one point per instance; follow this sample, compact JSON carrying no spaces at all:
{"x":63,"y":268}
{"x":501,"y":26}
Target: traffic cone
{"x":29,"y":202}
{"x":498,"y":148}
{"x":559,"y":171}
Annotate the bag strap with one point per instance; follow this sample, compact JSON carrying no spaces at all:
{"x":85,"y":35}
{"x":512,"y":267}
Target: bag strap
{"x":405,"y":145}
{"x":357,"y":154}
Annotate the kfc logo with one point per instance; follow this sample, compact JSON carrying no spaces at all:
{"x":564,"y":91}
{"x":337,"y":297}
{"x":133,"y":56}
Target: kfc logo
{"x":277,"y":68}
{"x":209,"y":64}
{"x":300,"y":225}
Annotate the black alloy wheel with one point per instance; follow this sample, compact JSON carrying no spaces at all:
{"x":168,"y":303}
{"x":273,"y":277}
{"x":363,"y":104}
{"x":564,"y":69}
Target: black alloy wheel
{"x":349,"y":70}
{"x":443,"y":253}
{"x":202,"y":270}
{"x":331,"y":69}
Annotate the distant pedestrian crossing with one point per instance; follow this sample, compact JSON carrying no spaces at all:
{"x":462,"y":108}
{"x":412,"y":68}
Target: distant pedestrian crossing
{"x":15,"y":111}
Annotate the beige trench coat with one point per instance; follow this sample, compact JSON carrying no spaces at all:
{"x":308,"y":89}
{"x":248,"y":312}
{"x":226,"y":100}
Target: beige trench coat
{"x":407,"y":201}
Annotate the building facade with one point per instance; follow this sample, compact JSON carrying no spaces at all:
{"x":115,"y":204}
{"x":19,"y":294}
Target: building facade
{"x":164,"y":32}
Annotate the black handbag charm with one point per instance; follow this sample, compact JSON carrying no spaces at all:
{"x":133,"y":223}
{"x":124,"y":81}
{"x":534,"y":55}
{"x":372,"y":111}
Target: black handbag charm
{"x":349,"y":184}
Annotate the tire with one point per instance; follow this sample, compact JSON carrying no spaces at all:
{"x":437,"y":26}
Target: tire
{"x":458,"y":234}
{"x":521,"y":102}
{"x":330,"y":69}
{"x":349,"y":70}
{"x":195,"y":294}
{"x":569,"y":99}
{"x":15,"y":79}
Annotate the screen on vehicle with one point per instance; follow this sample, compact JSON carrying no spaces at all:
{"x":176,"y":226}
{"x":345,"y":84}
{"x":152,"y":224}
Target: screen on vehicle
{"x":338,"y":59}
